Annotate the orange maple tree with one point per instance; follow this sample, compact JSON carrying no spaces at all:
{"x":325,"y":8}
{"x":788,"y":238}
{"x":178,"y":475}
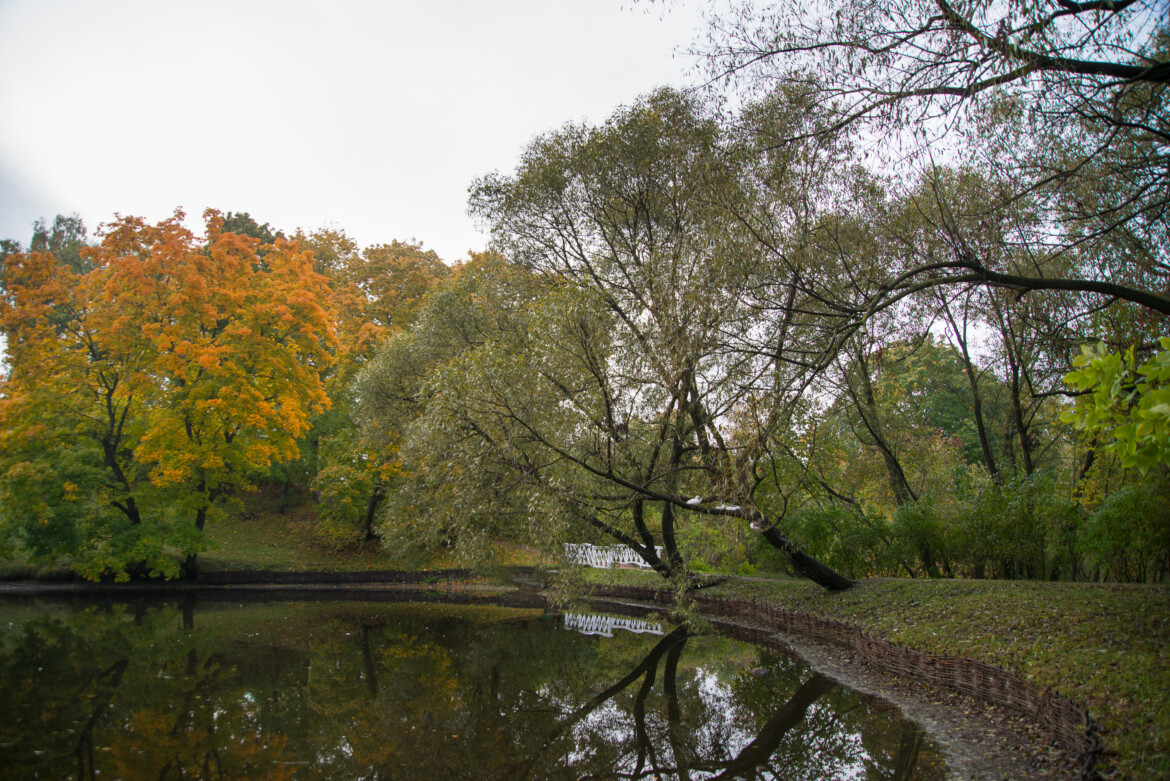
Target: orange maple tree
{"x":185,"y":364}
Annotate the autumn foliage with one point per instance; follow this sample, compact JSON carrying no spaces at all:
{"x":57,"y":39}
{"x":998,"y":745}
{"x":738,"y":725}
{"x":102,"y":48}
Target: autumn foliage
{"x":376,"y":293}
{"x":149,"y":382}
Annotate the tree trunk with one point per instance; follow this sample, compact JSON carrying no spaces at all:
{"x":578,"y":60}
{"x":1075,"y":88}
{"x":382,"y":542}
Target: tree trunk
{"x":867,"y":409}
{"x":128,"y":507}
{"x":973,"y":381}
{"x":805,"y":565}
{"x":673,"y":556}
{"x":669,"y":541}
{"x":1019,"y":424}
{"x":191,"y":567}
{"x":368,"y":533}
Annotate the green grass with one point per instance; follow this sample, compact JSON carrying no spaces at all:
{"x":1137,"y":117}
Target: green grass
{"x":1106,"y":647}
{"x":260,"y":538}
{"x":257,"y":537}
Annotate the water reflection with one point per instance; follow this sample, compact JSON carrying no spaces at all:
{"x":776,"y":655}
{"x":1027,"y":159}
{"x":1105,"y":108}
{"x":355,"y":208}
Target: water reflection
{"x":604,"y":625}
{"x":378,"y":690}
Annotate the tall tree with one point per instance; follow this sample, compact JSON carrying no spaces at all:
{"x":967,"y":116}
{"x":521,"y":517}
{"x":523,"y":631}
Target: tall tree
{"x":64,"y":240}
{"x":631,"y":215}
{"x":192,"y":362}
{"x":1061,"y":105}
{"x":1072,"y":95}
{"x":374,"y":293}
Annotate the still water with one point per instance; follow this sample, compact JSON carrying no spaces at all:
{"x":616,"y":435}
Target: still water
{"x":418,"y":690}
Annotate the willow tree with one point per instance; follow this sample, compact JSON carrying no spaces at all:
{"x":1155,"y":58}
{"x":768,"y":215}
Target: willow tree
{"x":1062,"y":105}
{"x":462,"y":472}
{"x":374,"y":293}
{"x":1064,"y":102}
{"x":632,"y":221}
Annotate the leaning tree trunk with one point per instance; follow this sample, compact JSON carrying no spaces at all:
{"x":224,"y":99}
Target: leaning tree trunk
{"x":867,"y":409}
{"x":805,"y":565}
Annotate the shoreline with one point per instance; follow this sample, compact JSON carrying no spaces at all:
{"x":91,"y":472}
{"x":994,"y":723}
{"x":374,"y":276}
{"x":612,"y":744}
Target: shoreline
{"x":983,"y":741}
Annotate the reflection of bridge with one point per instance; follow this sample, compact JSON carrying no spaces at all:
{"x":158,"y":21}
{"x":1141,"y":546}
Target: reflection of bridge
{"x":594,"y":624}
{"x":605,"y":556}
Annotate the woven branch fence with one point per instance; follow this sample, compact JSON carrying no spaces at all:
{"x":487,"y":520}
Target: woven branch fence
{"x":246,"y":577}
{"x":1060,"y":718}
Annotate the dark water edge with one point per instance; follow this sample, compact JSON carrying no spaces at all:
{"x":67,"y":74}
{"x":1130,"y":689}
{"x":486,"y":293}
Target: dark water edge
{"x":297,"y":684}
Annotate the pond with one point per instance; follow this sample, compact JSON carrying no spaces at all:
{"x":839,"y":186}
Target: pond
{"x":209,"y":688}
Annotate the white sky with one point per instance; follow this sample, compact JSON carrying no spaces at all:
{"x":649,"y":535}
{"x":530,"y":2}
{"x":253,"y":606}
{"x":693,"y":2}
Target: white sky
{"x":373,"y":116}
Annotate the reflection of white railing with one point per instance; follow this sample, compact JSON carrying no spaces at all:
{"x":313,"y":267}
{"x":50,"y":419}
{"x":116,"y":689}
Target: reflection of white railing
{"x":593,"y":624}
{"x":604,"y":556}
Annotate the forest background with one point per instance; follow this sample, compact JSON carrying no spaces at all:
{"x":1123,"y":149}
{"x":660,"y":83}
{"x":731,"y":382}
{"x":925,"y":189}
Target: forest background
{"x":726,"y":328}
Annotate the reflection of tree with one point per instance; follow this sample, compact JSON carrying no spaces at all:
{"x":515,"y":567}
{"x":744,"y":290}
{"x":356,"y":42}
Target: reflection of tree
{"x":764,"y":745}
{"x":908,"y":747}
{"x":396,"y":691}
{"x":645,"y":670}
{"x":825,"y":746}
{"x":109,"y":680}
{"x":685,"y":747}
{"x":678,"y":737}
{"x":110,"y":692}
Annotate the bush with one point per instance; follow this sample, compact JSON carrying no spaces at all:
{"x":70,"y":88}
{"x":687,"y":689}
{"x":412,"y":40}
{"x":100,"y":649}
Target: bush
{"x":345,"y":493}
{"x":713,"y":544}
{"x":919,"y":536}
{"x":1021,"y":528}
{"x":1128,"y":537}
{"x":843,"y":538}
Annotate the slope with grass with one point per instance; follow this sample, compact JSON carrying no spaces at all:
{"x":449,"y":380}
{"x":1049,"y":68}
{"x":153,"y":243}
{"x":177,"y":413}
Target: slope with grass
{"x":259,"y":537}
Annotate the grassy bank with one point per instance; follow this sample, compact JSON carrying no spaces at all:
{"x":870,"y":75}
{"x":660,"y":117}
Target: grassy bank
{"x":261,"y":538}
{"x":258,"y":537}
{"x":1106,"y":647}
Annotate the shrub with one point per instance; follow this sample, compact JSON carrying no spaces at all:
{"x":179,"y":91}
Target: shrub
{"x":1128,"y":537}
{"x":843,"y":538}
{"x":918,"y":535}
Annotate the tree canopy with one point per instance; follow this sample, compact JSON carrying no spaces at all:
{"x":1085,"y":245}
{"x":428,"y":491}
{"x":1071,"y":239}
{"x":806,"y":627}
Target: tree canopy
{"x":174,"y":366}
{"x":899,"y":305}
{"x":1064,"y":102}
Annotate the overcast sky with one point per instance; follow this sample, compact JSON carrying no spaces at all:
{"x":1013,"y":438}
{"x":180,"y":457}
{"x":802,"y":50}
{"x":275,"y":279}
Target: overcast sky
{"x":371,"y":116}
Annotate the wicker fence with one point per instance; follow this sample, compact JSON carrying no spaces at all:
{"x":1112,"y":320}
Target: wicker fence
{"x":245,"y":577}
{"x":1066,"y":723}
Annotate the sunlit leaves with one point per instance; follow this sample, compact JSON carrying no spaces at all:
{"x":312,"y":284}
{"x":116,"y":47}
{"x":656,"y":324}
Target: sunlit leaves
{"x":1127,"y":402}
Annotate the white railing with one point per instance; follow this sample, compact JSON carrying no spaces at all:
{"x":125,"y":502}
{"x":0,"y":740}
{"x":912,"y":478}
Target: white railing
{"x":594,"y":624}
{"x":605,"y":556}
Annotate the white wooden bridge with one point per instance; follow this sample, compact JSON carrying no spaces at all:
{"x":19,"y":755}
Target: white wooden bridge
{"x":605,"y":556}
